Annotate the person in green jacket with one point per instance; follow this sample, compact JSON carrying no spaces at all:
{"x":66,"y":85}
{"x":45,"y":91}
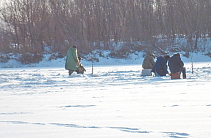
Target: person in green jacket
{"x":72,"y":61}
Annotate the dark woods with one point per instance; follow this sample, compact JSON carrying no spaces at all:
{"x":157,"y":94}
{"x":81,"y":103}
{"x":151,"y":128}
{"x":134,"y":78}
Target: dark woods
{"x":32,"y":25}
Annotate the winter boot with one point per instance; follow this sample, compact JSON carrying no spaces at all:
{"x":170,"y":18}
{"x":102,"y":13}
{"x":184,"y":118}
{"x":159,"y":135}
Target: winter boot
{"x":70,"y":72}
{"x":184,"y":73}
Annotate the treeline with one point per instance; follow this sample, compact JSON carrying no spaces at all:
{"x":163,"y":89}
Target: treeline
{"x":31,"y":25}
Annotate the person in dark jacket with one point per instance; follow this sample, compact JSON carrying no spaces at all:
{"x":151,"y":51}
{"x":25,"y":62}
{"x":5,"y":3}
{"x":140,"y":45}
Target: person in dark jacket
{"x":176,"y":66}
{"x":160,"y":67}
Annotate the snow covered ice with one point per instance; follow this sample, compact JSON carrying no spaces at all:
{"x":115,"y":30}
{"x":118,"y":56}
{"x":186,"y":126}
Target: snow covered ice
{"x":117,"y":102}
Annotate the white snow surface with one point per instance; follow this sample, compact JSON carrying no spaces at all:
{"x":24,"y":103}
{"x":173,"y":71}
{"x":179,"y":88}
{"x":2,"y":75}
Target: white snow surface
{"x":115,"y":102}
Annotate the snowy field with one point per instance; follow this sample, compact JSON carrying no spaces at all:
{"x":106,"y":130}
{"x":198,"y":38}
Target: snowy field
{"x":117,"y":102}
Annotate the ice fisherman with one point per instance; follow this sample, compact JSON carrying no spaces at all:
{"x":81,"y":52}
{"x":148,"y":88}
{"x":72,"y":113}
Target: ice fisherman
{"x":72,"y":62}
{"x":176,"y":66}
{"x":149,"y":61}
{"x":160,"y":66}
{"x":147,"y":64}
{"x":81,"y":68}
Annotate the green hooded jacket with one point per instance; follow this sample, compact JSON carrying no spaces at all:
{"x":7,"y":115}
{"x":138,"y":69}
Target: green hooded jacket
{"x":72,"y":59}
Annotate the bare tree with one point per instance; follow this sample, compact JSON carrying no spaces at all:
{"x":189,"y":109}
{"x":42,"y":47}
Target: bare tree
{"x":32,"y":24}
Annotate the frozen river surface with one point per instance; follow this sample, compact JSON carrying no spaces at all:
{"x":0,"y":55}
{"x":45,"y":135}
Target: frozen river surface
{"x":117,"y":102}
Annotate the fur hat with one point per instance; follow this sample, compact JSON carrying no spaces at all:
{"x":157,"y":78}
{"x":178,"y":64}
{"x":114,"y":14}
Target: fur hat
{"x":177,"y":54}
{"x":152,"y":54}
{"x":167,"y":57}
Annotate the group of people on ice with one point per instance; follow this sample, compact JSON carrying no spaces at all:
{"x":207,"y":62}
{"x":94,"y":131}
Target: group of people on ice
{"x":160,"y":68}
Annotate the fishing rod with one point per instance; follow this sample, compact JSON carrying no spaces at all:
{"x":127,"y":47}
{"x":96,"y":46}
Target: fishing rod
{"x":193,"y":48}
{"x":92,"y":67}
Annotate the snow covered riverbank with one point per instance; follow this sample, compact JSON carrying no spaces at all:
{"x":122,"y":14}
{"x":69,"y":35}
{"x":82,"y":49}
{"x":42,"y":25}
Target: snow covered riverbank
{"x":133,"y":59}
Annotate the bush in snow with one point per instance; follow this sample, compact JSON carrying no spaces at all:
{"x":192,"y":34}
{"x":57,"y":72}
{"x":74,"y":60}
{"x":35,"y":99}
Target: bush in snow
{"x":56,"y":55}
{"x":28,"y":58}
{"x":4,"y":58}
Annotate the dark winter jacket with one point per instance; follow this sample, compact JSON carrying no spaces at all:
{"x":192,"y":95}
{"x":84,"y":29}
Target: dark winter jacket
{"x":148,"y":62}
{"x":175,"y":63}
{"x":160,"y":66}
